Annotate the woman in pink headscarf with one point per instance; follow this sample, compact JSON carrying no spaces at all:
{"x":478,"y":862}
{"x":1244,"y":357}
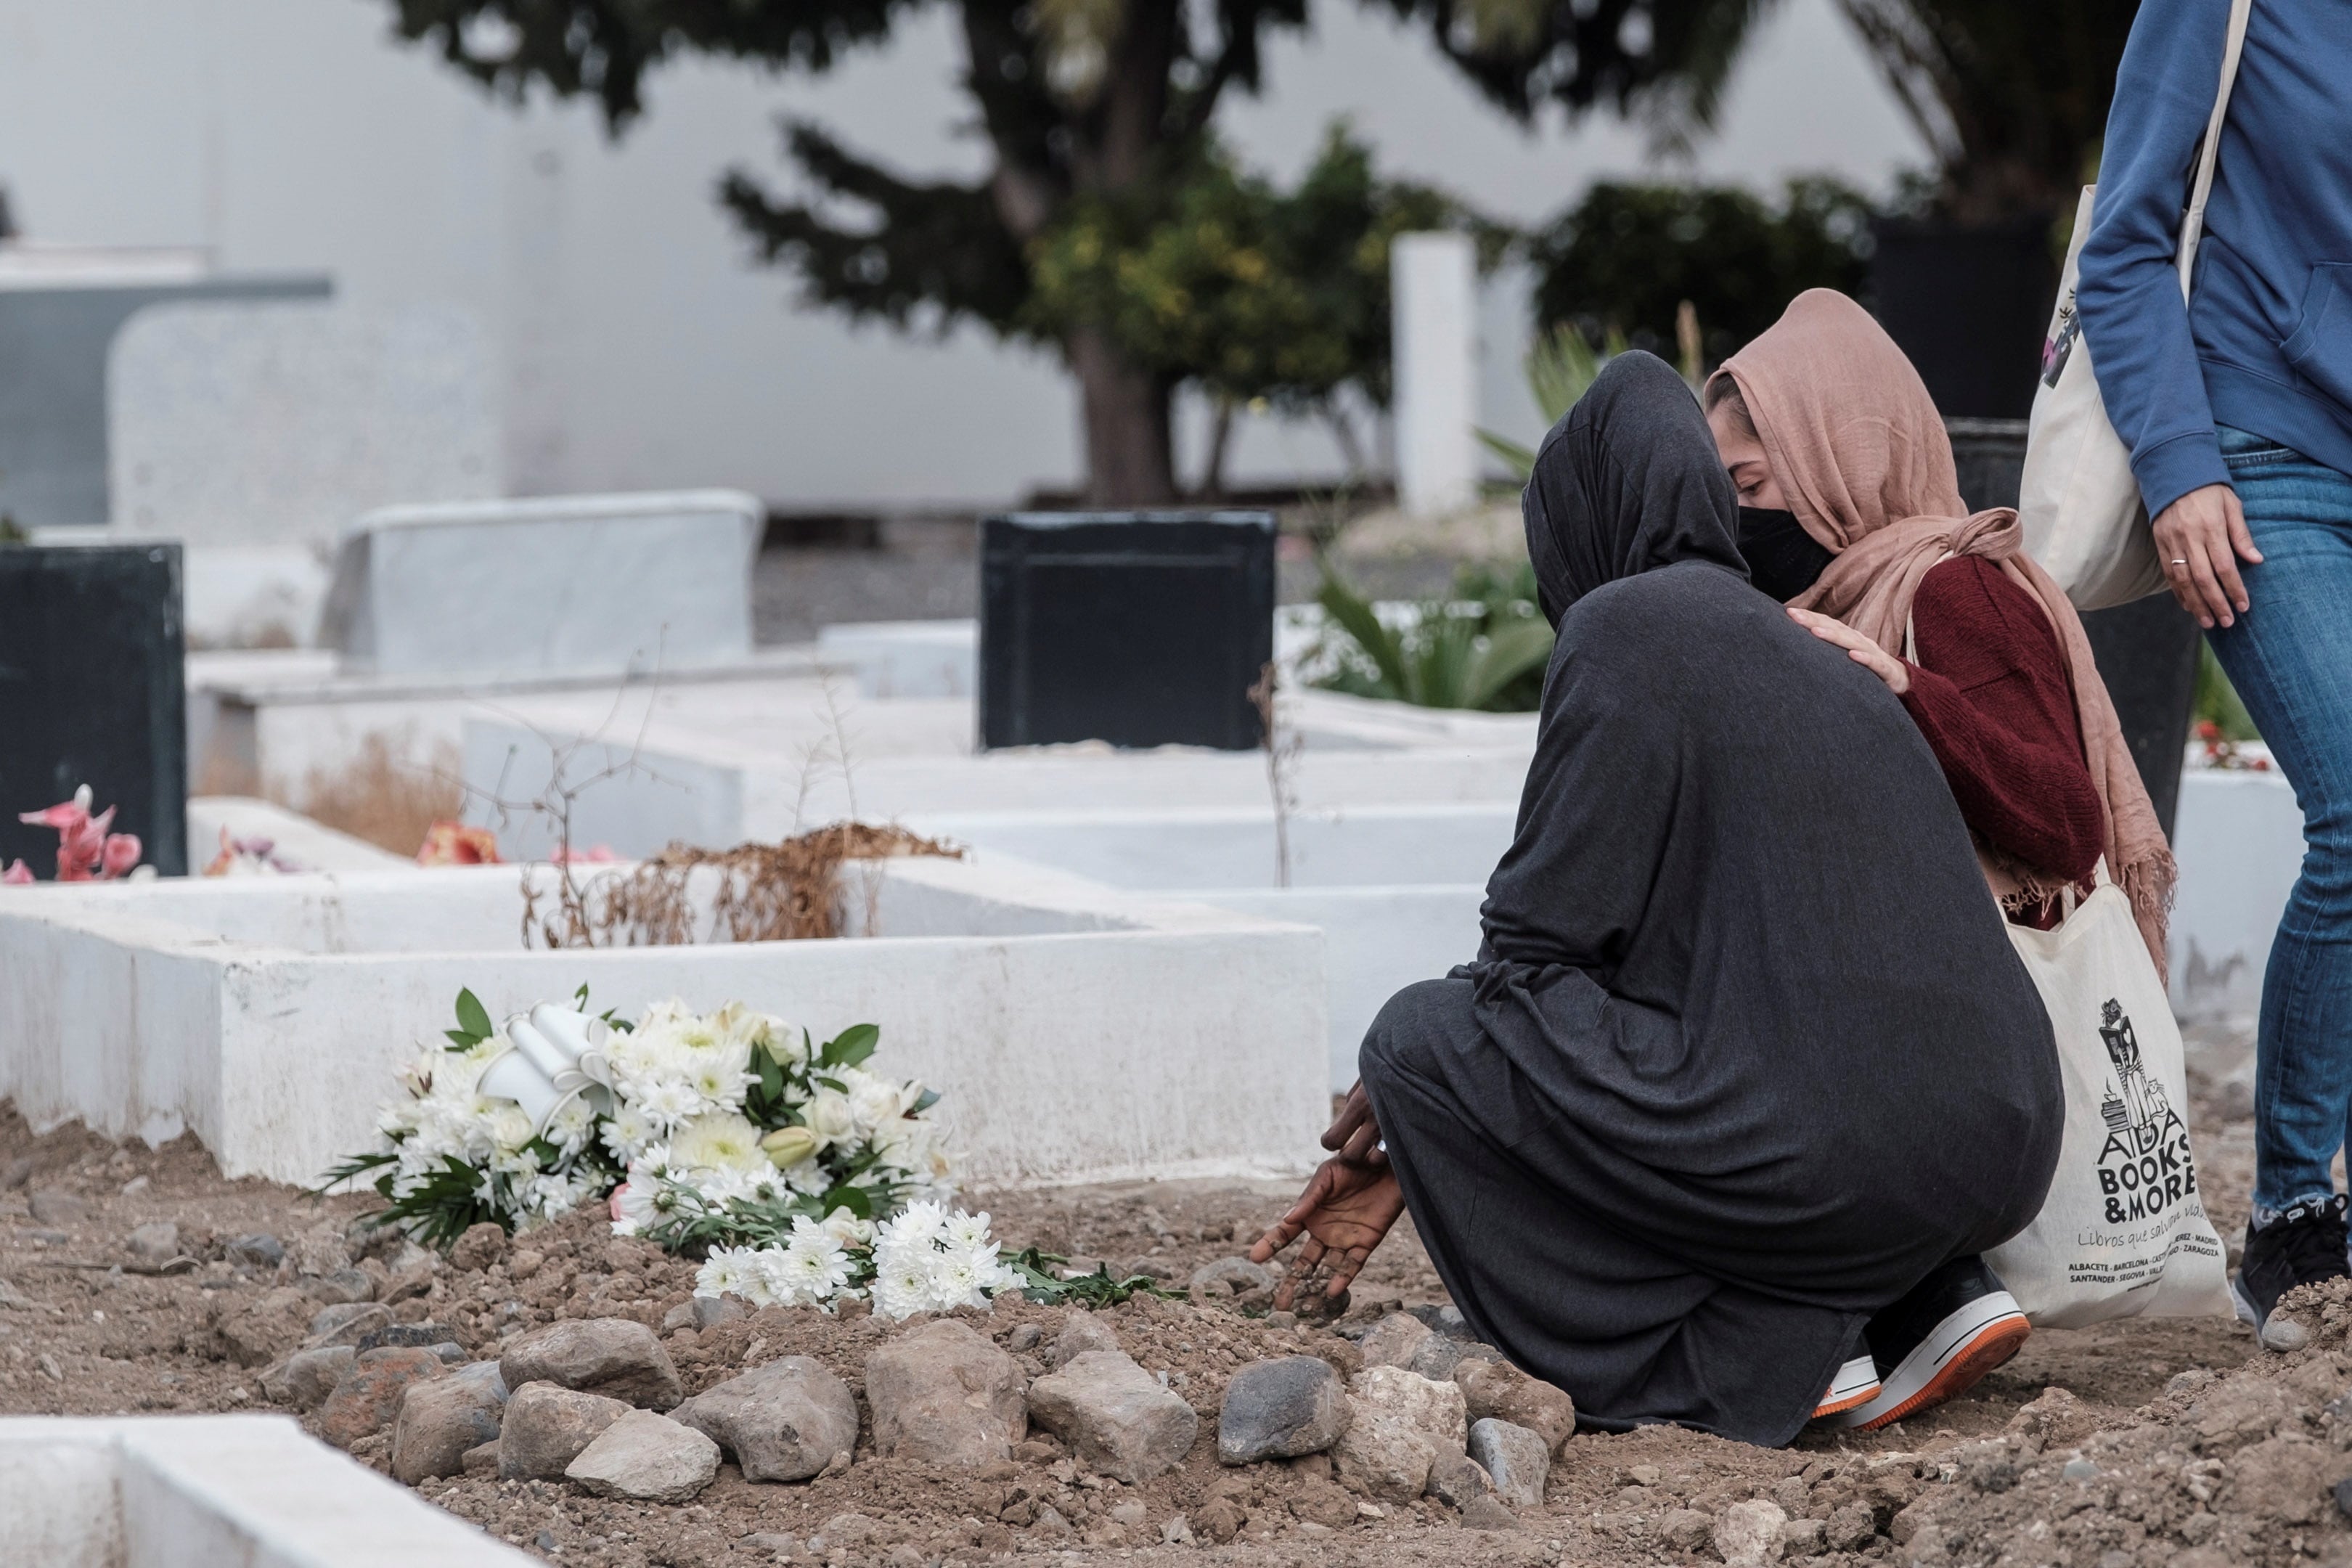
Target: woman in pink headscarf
{"x":1851,"y":513}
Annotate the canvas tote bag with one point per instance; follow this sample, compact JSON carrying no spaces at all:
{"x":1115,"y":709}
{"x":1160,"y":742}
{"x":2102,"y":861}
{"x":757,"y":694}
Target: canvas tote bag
{"x":2078,"y":502}
{"x":2123,"y":1232}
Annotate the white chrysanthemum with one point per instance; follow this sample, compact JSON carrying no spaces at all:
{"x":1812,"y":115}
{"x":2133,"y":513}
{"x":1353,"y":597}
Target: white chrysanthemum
{"x":969,"y":1232}
{"x":813,"y":1268}
{"x":808,"y":1178}
{"x":918,"y":1222}
{"x":720,"y":1141}
{"x":572,"y":1124}
{"x":902,"y":1282}
{"x":787,"y":1042}
{"x":634,"y":1202}
{"x":730,"y":1271}
{"x":667,"y":1101}
{"x":720,"y":1080}
{"x":956,"y":1279}
{"x":626,"y":1131}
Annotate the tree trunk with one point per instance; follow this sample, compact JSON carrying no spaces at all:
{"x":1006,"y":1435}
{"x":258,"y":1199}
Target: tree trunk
{"x":1129,"y":460}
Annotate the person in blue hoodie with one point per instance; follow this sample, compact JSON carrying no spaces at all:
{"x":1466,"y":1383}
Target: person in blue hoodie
{"x":2237,"y":406}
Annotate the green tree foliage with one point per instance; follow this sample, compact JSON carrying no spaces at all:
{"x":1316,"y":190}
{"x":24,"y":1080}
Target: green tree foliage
{"x":1248,"y":290}
{"x":1625,"y":258}
{"x":1083,"y":103}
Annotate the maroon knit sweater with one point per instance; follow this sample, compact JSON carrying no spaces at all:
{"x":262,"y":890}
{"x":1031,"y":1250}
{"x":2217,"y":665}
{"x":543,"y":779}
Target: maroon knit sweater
{"x":1992,"y":694}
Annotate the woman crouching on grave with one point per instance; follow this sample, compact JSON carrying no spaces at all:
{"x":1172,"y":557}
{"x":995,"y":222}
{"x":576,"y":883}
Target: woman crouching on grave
{"x":1743,"y":1056}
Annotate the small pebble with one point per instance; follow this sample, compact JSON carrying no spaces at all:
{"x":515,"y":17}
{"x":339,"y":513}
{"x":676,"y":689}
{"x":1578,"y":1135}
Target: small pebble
{"x":2081,"y":1469}
{"x":1644,"y":1475}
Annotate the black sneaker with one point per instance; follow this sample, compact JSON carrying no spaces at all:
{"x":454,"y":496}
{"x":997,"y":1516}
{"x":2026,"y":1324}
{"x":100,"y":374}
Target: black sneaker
{"x":1948,"y":1331}
{"x":2305,"y":1244}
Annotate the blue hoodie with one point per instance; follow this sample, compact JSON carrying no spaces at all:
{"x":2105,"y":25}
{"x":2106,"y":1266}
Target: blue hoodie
{"x":2265,"y":343}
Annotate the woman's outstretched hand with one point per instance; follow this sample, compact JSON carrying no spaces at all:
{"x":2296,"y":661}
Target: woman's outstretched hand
{"x":1860,"y":648}
{"x":1347,"y":1206}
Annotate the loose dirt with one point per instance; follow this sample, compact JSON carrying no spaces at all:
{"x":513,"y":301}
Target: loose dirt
{"x":2176,"y":1442}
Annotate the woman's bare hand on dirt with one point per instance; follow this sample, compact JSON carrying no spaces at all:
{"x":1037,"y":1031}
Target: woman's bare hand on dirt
{"x":1863,"y":652}
{"x":2199,"y":540}
{"x":1354,"y":1134}
{"x":1345,"y":1211}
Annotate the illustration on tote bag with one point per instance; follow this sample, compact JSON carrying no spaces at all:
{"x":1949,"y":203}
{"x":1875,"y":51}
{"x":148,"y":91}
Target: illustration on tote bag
{"x":2145,"y":1166}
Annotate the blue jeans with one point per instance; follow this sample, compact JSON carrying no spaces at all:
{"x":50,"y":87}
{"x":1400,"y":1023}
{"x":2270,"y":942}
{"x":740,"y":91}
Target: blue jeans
{"x":2290,"y":657}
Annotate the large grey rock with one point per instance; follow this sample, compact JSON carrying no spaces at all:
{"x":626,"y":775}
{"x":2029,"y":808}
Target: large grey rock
{"x":942,"y":1395}
{"x":347,"y":1323}
{"x":1117,"y":1418}
{"x":1395,"y":1340}
{"x":1454,"y":1478}
{"x":259,"y":1250}
{"x":57,"y":1207}
{"x":1081,"y":1331}
{"x":617,"y":1357}
{"x":442,"y":1417}
{"x":1402,"y":1421}
{"x":1517,"y":1460}
{"x":647,"y":1457}
{"x":1281,"y":1409}
{"x":155,"y":1243}
{"x":304,"y":1380}
{"x":1498,"y":1389}
{"x":784,"y":1421}
{"x":256,"y":1333}
{"x":546,"y":1427}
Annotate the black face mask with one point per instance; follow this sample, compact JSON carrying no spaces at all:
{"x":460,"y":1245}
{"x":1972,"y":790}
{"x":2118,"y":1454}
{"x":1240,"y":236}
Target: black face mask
{"x":1782,"y":559}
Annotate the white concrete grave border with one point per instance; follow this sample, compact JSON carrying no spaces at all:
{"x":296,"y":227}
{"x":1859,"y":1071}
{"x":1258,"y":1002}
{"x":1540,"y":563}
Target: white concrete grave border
{"x":211,"y":1491}
{"x":1076,"y":1032}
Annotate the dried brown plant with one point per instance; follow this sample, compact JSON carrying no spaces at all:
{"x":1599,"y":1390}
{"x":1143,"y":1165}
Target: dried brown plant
{"x":380,"y":797}
{"x":754,"y":892}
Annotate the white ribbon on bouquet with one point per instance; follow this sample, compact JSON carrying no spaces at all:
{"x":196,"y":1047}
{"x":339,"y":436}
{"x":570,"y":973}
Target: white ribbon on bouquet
{"x":553,"y":1054}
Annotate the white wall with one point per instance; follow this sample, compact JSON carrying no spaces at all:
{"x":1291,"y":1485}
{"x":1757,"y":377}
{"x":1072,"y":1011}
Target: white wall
{"x":639,"y":349}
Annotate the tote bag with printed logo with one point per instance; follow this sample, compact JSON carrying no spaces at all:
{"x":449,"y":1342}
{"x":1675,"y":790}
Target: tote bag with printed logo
{"x":2123,"y":1232}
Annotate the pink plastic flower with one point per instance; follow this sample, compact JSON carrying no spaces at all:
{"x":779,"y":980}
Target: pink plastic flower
{"x":86,"y":852}
{"x":17,"y":876}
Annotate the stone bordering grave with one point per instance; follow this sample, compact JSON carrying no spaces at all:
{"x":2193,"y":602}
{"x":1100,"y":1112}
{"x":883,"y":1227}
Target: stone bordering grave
{"x":211,"y":1492}
{"x":1076,"y":1032}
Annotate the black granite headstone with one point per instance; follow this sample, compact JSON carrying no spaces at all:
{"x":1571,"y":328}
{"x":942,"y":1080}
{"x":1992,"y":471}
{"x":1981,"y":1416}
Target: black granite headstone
{"x":1138,"y":628}
{"x":93,"y":692}
{"x":2146,"y":652}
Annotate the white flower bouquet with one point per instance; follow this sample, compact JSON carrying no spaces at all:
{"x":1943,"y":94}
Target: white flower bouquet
{"x":519,"y":1122}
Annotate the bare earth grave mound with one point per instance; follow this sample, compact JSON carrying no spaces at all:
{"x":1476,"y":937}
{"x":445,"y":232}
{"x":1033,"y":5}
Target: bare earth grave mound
{"x":139,"y":1280}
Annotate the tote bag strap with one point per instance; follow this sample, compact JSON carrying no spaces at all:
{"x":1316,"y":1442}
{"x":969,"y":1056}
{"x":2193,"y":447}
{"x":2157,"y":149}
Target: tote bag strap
{"x":2192,"y":222}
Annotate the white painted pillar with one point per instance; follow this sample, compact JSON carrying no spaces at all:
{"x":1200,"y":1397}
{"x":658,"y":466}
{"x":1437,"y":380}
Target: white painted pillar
{"x":1433,"y":305}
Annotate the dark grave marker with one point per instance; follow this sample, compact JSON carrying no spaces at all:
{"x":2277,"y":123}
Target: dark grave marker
{"x":2147,"y":650}
{"x":1138,"y":628}
{"x":93,"y":692}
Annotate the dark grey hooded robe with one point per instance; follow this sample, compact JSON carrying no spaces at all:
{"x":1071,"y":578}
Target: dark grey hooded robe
{"x":1746,"y":1051}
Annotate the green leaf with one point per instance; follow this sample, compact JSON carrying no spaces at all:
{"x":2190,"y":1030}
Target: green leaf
{"x":1356,"y":617}
{"x":929,"y":1097}
{"x":473,"y":1018}
{"x":579,"y":997}
{"x":851,"y":1046}
{"x":1520,"y":460}
{"x":461,"y":1041}
{"x":1513,"y":648}
{"x":842,"y":1196}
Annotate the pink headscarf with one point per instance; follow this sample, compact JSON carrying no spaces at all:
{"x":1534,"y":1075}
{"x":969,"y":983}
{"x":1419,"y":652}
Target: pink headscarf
{"x":1863,"y":457}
